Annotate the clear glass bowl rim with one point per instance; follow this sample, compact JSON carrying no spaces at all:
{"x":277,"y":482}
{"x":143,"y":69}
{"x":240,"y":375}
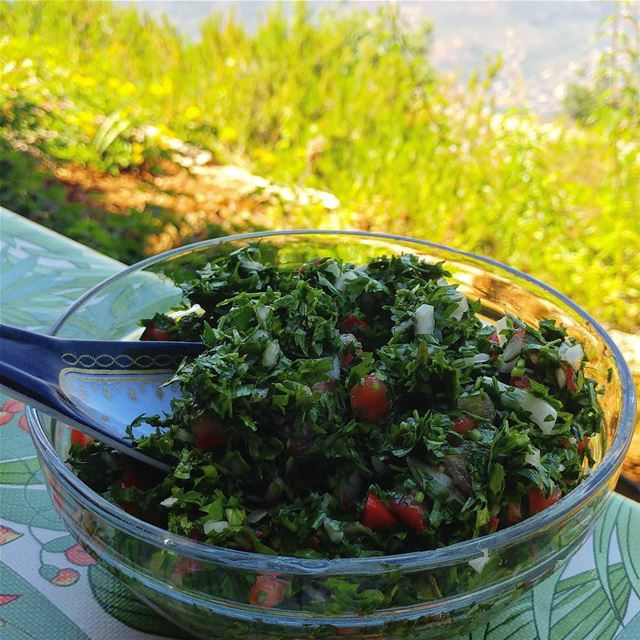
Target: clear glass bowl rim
{"x":421,"y":560}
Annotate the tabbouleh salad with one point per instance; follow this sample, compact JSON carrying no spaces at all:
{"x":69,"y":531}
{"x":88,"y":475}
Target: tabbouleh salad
{"x":349,"y":411}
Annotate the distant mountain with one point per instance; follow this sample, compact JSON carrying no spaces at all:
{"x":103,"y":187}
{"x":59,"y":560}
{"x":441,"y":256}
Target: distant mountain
{"x":543,"y":41}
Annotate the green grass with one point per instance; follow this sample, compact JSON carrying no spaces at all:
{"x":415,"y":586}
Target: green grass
{"x":347,"y":104}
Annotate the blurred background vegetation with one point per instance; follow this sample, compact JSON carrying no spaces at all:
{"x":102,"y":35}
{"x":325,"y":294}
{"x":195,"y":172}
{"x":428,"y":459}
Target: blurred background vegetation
{"x":118,"y":131}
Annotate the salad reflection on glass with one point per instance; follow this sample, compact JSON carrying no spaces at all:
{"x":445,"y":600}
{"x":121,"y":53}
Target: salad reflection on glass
{"x":346,"y":410}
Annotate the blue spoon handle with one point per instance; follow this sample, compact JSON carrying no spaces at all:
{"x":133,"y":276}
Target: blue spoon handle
{"x":31,"y":365}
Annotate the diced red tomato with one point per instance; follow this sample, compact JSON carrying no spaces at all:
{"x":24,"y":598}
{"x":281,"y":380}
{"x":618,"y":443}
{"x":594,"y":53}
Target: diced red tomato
{"x":129,"y":478}
{"x":346,"y":360}
{"x":370,"y":399}
{"x":582,"y":445}
{"x":154,"y":333}
{"x":564,"y":443}
{"x":410,"y":513}
{"x":376,"y":515}
{"x":570,"y":375}
{"x":207,"y":432}
{"x":77,"y":437}
{"x":353,"y":324}
{"x":514,"y":512}
{"x":522,"y":382}
{"x":538,"y":502}
{"x":462,"y":424}
{"x":494,"y":523}
{"x":268,"y":590}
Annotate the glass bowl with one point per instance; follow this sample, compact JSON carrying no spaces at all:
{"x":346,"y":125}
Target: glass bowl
{"x":206,"y":589}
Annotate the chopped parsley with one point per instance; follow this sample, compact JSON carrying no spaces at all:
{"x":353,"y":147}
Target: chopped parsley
{"x":347,"y":411}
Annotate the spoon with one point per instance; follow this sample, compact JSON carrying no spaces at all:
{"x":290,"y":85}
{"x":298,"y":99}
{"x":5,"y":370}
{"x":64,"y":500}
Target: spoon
{"x":98,"y":387}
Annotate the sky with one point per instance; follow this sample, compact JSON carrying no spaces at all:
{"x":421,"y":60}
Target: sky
{"x":543,"y":42}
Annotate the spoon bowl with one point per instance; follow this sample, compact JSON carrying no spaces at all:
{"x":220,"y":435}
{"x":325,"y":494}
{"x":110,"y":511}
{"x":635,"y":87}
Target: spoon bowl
{"x":97,"y":386}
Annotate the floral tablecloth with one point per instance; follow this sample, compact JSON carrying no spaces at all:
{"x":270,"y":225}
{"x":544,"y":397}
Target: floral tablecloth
{"x":50,"y":589}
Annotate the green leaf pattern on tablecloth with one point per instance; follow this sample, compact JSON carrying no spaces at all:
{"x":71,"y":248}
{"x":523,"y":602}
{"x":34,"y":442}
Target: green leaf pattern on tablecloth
{"x":58,"y":545}
{"x":581,"y":609}
{"x":32,"y":614}
{"x":24,"y":471}
{"x":542,"y":596}
{"x":632,"y":630}
{"x":42,"y":274}
{"x":628,"y":526}
{"x":602,"y":538}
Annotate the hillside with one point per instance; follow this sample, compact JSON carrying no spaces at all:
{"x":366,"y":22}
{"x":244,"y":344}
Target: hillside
{"x":127,"y":119}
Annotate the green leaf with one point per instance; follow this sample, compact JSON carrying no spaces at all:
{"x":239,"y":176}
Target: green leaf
{"x":543,"y":595}
{"x":514,"y":621}
{"x":59,"y":545}
{"x":581,"y":609}
{"x":32,"y":615}
{"x":48,"y":572}
{"x":628,"y":529}
{"x":601,"y":544}
{"x":632,"y":630}
{"x":30,"y":506}
{"x":118,"y":602}
{"x":25,"y":471}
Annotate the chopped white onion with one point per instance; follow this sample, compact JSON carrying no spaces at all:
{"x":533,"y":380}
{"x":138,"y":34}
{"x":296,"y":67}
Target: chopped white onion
{"x":573,"y":355}
{"x":216,"y":526}
{"x":424,"y":322}
{"x":514,"y":347}
{"x":533,"y":458}
{"x":169,"y":502}
{"x":333,"y":269}
{"x":263,"y":313}
{"x":416,"y":466}
{"x":561,"y":377}
{"x":478,"y":564}
{"x":402,"y":327}
{"x":252,"y":264}
{"x":442,"y":282}
{"x":335,"y":535}
{"x":334,"y":374}
{"x":477,"y":359}
{"x":346,"y":276}
{"x":256,"y":516}
{"x":542,"y":413}
{"x":195,"y":309}
{"x":271,"y":354}
{"x":439,"y":476}
{"x":463,"y":306}
{"x":501,"y":325}
{"x":260,"y":393}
